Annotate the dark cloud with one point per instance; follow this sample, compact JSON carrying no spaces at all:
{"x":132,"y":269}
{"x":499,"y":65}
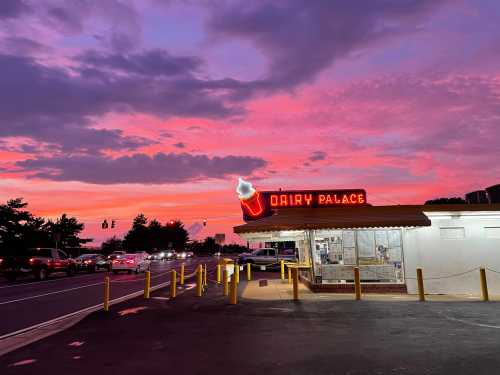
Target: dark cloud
{"x":302,"y":37}
{"x":179,"y":145}
{"x":149,"y":63}
{"x":21,"y":45}
{"x":317,"y":156}
{"x":140,"y":168}
{"x":13,"y":8}
{"x":53,"y":105}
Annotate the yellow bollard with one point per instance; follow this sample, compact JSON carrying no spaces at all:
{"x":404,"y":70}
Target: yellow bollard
{"x":233,"y":297}
{"x":225,"y":290}
{"x":289,"y":275}
{"x":205,"y":283}
{"x":420,"y":284}
{"x":249,"y":271}
{"x":484,"y":284}
{"x":199,"y":281}
{"x":173,"y":285}
{"x":357,"y":284}
{"x":282,"y":269}
{"x":218,"y":274}
{"x":147,"y":284}
{"x":106,"y":293}
{"x":237,"y":272}
{"x":181,"y":277}
{"x":295,"y":273}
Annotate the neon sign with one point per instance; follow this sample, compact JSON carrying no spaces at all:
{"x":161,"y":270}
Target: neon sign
{"x":256,"y":205}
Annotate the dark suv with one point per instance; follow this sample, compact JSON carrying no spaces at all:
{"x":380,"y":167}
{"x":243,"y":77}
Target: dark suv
{"x":39,"y":262}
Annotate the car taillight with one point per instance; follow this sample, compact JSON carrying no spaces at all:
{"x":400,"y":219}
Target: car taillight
{"x":32,"y":260}
{"x":115,"y":261}
{"x":130,"y":261}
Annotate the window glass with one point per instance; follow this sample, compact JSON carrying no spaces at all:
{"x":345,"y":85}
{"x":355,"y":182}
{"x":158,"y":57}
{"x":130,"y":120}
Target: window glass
{"x":47,"y":253}
{"x":62,"y":254}
{"x":271,"y":252}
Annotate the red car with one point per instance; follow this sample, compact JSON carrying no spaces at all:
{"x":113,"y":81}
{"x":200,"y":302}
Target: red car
{"x":39,"y":262}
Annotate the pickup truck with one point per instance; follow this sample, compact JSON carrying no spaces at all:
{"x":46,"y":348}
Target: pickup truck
{"x":39,"y":262}
{"x":268,"y":256}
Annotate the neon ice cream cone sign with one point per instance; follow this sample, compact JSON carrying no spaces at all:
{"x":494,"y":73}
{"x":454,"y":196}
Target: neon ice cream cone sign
{"x":250,"y":198}
{"x":258,"y":204}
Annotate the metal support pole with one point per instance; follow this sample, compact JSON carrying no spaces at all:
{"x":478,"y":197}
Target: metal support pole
{"x":233,"y":297}
{"x":225,"y":290}
{"x":106,"y":293}
{"x":173,"y":285}
{"x":218,"y":274}
{"x":181,"y":277}
{"x":295,"y":273}
{"x":357,"y":284}
{"x":420,"y":284}
{"x":147,"y":284}
{"x":249,"y":271}
{"x":289,"y":275}
{"x":484,"y":284}
{"x":199,"y":281}
{"x":237,"y":272}
{"x":282,"y":269}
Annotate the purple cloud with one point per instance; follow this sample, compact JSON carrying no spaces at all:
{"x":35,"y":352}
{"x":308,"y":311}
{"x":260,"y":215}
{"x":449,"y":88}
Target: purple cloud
{"x":140,"y":168}
{"x":179,"y":145}
{"x":13,"y":8}
{"x":51,"y":104}
{"x":317,"y":156}
{"x":301,"y":37}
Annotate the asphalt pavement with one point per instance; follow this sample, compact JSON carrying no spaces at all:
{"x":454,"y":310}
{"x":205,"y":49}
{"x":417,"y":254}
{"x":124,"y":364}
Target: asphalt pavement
{"x":206,"y":335}
{"x":28,"y":302}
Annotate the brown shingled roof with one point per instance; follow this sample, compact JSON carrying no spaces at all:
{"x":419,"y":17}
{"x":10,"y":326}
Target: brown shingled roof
{"x":354,"y":217}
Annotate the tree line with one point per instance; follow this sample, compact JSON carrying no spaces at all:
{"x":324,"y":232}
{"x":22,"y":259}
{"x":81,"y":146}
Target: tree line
{"x":21,"y":230}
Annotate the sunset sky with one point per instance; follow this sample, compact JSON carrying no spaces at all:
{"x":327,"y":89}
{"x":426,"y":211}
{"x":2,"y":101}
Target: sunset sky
{"x":110,"y":108}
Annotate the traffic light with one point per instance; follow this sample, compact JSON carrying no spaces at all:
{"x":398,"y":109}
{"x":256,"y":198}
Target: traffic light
{"x":112,"y":223}
{"x":204,"y":222}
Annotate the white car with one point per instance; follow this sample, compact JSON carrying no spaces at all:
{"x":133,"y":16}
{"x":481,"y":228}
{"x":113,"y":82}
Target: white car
{"x":137,"y":262}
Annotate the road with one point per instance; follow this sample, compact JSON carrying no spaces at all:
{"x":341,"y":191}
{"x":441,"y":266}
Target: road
{"x":28,"y":302}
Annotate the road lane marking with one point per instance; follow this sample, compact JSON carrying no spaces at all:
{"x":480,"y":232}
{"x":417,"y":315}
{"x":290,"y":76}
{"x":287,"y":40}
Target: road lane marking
{"x":48,"y":294}
{"x":82,"y":311}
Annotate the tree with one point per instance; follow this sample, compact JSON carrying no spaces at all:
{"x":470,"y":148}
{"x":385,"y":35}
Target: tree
{"x":20,"y":230}
{"x":137,"y":237}
{"x":155,"y":236}
{"x":111,"y":244}
{"x":453,"y":200}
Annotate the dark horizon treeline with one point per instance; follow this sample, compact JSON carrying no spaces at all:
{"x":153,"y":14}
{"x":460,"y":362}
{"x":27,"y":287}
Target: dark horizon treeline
{"x":21,"y":230}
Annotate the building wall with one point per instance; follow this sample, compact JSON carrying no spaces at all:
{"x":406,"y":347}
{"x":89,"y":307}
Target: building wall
{"x":441,"y":252}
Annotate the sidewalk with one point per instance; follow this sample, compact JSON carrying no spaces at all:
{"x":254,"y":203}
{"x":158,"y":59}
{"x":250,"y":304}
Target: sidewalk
{"x":281,"y":290}
{"x":268,"y":333}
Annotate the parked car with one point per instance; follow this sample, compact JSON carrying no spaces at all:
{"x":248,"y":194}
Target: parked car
{"x":170,"y":254}
{"x":115,"y":255}
{"x":218,"y":254}
{"x":137,"y":262}
{"x":184,"y":255}
{"x":92,"y":263}
{"x":268,"y":256}
{"x":39,"y":262}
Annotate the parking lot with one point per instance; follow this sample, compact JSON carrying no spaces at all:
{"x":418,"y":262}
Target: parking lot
{"x":195,"y":335}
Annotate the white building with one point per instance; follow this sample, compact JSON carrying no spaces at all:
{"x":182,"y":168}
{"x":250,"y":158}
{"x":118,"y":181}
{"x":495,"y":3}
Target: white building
{"x":388,"y":243}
